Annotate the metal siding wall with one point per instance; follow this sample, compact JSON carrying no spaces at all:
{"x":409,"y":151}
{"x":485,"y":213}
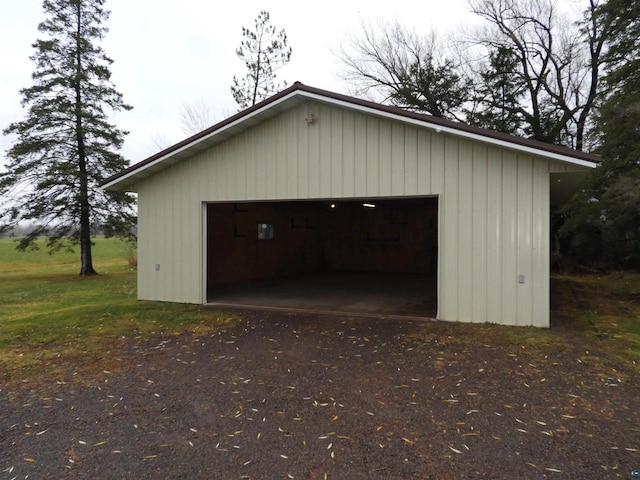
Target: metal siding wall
{"x":349,"y":147}
{"x":291,"y":131}
{"x":423,"y":159}
{"x":313,"y":163}
{"x":384,"y":181}
{"x":411,"y":161}
{"x":524,"y":240}
{"x":360,"y":156}
{"x":493,"y":243}
{"x":146,"y":223}
{"x":337,"y":153}
{"x":494,"y":225}
{"x":373,"y":156}
{"x":541,"y":245}
{"x":509,"y":225}
{"x":480,"y":224}
{"x":466,"y":235}
{"x":169,"y":235}
{"x":397,"y":155}
{"x":494,"y":204}
{"x":448,"y":303}
{"x":437,"y":162}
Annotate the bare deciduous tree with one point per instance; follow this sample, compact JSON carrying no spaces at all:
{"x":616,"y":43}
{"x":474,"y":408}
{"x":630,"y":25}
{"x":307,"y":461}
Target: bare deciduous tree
{"x":391,"y":63}
{"x":552,"y":80}
{"x":195,"y":117}
{"x":559,"y":62}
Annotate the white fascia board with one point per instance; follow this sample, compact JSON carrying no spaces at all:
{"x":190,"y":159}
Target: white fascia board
{"x":454,"y":131}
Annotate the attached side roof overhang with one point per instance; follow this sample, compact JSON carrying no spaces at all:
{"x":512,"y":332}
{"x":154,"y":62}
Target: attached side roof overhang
{"x":299,"y":93}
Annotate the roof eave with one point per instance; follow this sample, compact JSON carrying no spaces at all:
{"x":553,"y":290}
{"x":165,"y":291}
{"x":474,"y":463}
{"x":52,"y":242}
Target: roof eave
{"x":244,"y":119}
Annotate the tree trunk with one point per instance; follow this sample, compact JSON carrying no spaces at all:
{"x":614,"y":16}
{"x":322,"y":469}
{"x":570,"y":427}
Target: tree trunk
{"x":86,"y":265}
{"x":86,"y":260}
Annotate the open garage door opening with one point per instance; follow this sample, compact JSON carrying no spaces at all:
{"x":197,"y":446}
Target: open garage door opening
{"x":369,"y":256}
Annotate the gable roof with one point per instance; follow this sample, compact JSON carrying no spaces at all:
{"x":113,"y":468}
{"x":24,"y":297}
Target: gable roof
{"x":299,"y":93}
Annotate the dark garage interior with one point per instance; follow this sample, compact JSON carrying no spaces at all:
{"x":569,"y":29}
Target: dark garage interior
{"x":357,"y":256}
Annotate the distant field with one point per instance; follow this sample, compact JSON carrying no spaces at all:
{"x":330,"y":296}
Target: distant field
{"x":50,"y":316}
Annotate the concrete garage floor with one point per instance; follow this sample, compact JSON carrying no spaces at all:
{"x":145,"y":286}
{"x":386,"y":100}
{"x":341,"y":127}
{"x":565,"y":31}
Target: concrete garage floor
{"x":381,"y":294}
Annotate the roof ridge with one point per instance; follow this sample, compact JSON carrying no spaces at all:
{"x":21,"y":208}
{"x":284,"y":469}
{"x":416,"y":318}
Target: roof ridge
{"x":297,"y":86}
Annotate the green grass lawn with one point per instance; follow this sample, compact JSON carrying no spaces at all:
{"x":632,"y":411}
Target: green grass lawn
{"x":49,"y":314}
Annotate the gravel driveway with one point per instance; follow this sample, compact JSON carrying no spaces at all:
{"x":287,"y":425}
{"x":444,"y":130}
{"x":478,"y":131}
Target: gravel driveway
{"x":282,"y":395}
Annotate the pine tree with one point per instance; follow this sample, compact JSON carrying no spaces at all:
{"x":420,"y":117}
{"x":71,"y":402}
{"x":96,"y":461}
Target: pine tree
{"x":263,"y":50}
{"x":65,"y":146}
{"x":499,"y":94}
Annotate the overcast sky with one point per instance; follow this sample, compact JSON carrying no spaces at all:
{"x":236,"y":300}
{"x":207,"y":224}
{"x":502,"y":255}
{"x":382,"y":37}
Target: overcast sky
{"x":169,"y":53}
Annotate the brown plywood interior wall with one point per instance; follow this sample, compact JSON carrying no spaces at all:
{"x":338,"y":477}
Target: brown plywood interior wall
{"x":394,"y":236}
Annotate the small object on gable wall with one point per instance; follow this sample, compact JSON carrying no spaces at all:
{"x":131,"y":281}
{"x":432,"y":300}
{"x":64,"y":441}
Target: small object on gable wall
{"x":310,"y":118}
{"x":520,"y":278}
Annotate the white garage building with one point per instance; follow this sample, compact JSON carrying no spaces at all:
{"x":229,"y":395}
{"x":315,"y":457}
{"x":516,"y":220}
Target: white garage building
{"x":311,"y":180}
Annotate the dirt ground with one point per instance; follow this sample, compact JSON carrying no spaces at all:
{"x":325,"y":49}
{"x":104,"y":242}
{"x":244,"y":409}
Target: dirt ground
{"x":284,"y":395}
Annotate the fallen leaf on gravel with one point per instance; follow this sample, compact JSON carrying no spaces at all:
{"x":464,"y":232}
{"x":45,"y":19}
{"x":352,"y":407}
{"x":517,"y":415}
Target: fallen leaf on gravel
{"x":407,"y":440}
{"x":521,"y":430}
{"x":30,"y":460}
{"x":554,"y":470}
{"x":99,"y":443}
{"x":455,"y":450}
